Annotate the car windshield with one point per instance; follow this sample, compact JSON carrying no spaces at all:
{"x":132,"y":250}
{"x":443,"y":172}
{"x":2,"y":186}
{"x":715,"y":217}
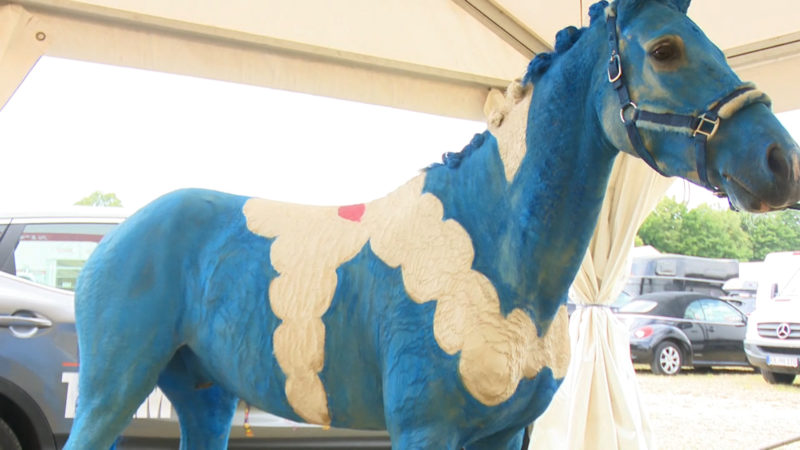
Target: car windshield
{"x":792,"y":287}
{"x":638,"y":306}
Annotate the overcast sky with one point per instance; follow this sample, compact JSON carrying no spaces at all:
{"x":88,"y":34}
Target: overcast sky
{"x":73,"y":128}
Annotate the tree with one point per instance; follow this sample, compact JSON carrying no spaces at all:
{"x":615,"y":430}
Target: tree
{"x":703,"y":231}
{"x":662,"y":228}
{"x":715,"y":234}
{"x":772,"y":232}
{"x":98,"y":198}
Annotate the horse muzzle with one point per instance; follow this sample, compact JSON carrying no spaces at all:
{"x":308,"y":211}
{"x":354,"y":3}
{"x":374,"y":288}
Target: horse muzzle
{"x":770,"y":182}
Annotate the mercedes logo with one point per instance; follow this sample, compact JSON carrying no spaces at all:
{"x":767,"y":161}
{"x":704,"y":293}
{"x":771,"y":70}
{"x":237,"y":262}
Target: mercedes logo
{"x":784,"y":331}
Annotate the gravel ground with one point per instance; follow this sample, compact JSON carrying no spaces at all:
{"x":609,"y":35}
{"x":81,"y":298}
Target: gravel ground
{"x":723,"y":409}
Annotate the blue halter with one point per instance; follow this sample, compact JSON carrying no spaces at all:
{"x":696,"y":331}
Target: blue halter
{"x":702,"y":127}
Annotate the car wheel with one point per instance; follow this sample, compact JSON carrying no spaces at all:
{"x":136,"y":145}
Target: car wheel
{"x":8,"y":440}
{"x":777,"y":378}
{"x":667,"y":359}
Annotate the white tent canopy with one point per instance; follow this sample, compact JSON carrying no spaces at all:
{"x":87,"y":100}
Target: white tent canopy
{"x":432,"y":56}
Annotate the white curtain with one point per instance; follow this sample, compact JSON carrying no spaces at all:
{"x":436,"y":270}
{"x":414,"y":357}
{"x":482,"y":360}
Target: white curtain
{"x":598,"y":405}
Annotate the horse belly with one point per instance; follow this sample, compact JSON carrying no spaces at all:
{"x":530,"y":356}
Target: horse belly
{"x":385,"y":369}
{"x":237,"y":354}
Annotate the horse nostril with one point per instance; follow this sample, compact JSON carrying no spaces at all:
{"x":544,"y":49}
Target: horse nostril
{"x":777,"y":163}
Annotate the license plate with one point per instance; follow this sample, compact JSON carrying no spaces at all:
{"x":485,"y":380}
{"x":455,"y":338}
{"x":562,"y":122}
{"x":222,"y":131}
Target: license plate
{"x":783,"y":361}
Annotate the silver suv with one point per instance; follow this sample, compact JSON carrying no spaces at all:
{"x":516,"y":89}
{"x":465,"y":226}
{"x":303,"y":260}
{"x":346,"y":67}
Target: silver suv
{"x":40,"y":259}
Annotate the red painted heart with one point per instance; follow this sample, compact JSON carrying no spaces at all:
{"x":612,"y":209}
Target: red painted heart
{"x":352,"y":212}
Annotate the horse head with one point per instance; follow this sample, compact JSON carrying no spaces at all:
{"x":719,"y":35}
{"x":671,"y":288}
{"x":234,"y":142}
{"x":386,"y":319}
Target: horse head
{"x":669,"y":97}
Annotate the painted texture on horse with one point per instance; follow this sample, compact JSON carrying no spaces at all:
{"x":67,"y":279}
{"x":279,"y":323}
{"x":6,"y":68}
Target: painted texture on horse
{"x":437,"y":312}
{"x":404,"y":230}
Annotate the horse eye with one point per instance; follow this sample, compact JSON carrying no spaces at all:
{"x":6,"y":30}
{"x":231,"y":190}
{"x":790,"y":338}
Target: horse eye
{"x":664,"y":51}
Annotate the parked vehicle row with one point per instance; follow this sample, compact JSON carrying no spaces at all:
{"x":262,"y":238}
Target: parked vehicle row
{"x":744,"y":322}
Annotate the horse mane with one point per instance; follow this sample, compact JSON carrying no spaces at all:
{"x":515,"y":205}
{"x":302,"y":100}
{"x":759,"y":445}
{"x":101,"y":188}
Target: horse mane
{"x":453,"y":159}
{"x":565,"y":39}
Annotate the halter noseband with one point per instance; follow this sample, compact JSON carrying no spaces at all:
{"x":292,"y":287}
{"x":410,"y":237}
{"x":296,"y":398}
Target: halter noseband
{"x":701,"y":128}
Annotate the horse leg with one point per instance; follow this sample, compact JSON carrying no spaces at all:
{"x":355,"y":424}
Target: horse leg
{"x":205,"y":409}
{"x":127,"y":315}
{"x":114,"y":381}
{"x":510,"y":439}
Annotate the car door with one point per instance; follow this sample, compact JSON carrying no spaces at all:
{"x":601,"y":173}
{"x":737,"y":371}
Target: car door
{"x":692,"y":325}
{"x":40,"y":262}
{"x":725,"y":327}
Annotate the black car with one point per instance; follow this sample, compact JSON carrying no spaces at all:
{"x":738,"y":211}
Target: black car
{"x":670,"y":330}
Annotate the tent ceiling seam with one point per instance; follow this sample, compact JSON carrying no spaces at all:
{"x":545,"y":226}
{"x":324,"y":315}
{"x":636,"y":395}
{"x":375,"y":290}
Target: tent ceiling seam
{"x":505,"y":26}
{"x":764,"y":51}
{"x":222,"y":36}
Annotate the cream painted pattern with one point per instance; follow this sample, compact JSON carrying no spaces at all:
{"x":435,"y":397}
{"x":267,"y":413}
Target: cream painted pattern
{"x":508,"y":117}
{"x":405,"y":229}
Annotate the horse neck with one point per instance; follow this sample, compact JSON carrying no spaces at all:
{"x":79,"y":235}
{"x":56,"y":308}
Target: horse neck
{"x":530,"y":233}
{"x":559,"y":190}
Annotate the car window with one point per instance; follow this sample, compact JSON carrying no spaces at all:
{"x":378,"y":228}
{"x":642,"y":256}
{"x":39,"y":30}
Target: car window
{"x":54,"y":254}
{"x":2,"y":229}
{"x":720,"y":311}
{"x":694,"y":311}
{"x":638,"y":306}
{"x":792,"y":287}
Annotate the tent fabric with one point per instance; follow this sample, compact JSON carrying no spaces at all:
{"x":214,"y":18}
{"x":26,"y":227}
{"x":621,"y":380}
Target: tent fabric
{"x":433,"y":57}
{"x":598,"y":403}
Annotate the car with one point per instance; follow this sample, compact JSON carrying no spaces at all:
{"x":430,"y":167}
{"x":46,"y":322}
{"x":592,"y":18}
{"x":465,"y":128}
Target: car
{"x":772,"y":342}
{"x":672,"y":330}
{"x":41,"y":256}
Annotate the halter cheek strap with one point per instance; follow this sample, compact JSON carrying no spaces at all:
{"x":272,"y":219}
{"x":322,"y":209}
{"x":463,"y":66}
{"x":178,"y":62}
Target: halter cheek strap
{"x":701,"y":128}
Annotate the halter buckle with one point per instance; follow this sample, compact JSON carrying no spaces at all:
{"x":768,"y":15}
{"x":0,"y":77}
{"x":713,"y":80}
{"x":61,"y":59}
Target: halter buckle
{"x":706,"y":126}
{"x":614,"y":68}
{"x":626,"y":107}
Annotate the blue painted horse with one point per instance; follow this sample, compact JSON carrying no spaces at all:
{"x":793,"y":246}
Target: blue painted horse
{"x":436,"y":313}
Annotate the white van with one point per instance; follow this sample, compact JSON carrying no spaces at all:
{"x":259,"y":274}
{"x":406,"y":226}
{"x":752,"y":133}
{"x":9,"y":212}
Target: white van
{"x":772,"y":342}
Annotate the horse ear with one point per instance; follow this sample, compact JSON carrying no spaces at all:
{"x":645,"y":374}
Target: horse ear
{"x":682,"y":5}
{"x":632,"y":5}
